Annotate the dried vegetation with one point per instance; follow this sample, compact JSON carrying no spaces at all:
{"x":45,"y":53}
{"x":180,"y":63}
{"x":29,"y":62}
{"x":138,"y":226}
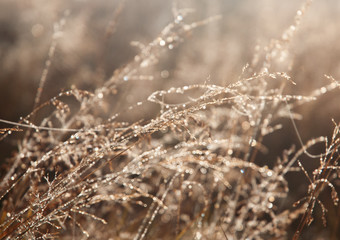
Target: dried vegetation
{"x":130,"y":156}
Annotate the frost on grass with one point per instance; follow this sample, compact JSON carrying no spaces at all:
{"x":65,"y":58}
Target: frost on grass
{"x":187,"y":172}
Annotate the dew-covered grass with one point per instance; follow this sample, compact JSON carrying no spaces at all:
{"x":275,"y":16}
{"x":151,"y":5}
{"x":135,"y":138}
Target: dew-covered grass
{"x":190,"y":132}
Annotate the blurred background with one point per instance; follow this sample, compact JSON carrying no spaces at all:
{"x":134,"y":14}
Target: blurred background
{"x":95,"y":41}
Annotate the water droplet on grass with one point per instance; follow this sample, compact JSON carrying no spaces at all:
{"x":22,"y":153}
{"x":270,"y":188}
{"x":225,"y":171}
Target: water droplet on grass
{"x":100,"y":95}
{"x":165,"y":74}
{"x":179,"y":18}
{"x":162,"y":43}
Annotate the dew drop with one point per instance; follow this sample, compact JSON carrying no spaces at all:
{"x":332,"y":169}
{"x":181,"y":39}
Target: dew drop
{"x":137,"y":58}
{"x":179,"y":18}
{"x":198,"y":236}
{"x":165,"y":74}
{"x":125,"y":78}
{"x":162,"y":43}
{"x":271,"y":199}
{"x":203,"y":170}
{"x":252,"y":142}
{"x":245,"y":125}
{"x":100,"y":95}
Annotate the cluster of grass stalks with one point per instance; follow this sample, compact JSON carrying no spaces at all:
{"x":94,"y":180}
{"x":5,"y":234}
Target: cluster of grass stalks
{"x":188,"y":161}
